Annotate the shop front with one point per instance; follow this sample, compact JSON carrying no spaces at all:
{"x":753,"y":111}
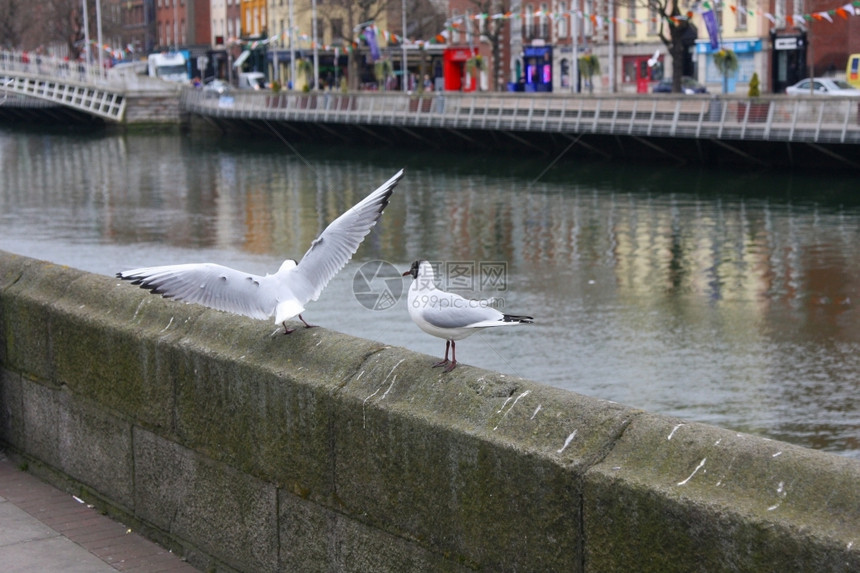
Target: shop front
{"x":459,"y":76}
{"x":641,"y":70}
{"x":537,"y":64}
{"x":788,"y":64}
{"x":744,"y":49}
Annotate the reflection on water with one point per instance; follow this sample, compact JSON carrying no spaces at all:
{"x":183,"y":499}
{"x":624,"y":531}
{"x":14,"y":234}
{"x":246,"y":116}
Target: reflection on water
{"x":723,"y":298}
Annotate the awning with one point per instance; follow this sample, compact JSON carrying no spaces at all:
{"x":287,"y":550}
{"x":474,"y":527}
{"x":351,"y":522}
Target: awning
{"x":241,"y":59}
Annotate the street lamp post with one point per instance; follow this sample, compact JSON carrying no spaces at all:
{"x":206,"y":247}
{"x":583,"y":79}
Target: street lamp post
{"x":99,"y":35}
{"x":314,"y":39}
{"x":292,"y":50}
{"x":574,"y":25}
{"x":404,"y":76}
{"x":86,"y":34}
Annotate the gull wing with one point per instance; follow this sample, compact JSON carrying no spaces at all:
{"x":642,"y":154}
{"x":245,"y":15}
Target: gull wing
{"x":335,"y":246}
{"x":449,"y":310}
{"x":211,"y":285}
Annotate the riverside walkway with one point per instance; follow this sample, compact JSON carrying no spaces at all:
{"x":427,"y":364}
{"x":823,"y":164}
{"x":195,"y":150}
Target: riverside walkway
{"x":44,"y":529}
{"x":682,"y":127}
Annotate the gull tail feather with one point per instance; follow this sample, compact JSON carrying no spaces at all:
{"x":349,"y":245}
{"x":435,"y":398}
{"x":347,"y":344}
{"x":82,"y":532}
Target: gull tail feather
{"x":287,"y":310}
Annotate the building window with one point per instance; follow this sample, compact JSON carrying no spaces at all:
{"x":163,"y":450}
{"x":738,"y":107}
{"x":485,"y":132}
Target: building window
{"x":528,"y":21}
{"x":741,"y":14}
{"x":320,"y":31}
{"x":588,"y":25}
{"x":653,"y":19}
{"x":561,"y":29}
{"x":779,"y":13}
{"x":631,"y":18}
{"x":337,"y":28}
{"x":543,"y":22}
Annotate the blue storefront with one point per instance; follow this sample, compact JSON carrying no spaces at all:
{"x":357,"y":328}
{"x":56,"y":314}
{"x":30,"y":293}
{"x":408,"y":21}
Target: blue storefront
{"x":745,"y":51}
{"x":535,"y":72}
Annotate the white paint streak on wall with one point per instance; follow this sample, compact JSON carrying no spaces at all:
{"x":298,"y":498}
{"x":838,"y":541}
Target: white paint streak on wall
{"x":698,"y":467}
{"x":505,"y":404}
{"x":675,"y":429}
{"x":523,"y":395}
{"x":364,"y":404}
{"x":168,"y":324}
{"x":567,"y":442}
{"x":536,"y":411}
{"x":390,"y":386}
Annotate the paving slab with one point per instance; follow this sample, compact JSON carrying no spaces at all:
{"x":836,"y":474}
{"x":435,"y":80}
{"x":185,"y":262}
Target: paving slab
{"x":45,"y":530}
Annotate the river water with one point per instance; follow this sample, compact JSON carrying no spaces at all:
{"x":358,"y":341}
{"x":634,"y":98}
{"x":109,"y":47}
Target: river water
{"x":729,"y":298}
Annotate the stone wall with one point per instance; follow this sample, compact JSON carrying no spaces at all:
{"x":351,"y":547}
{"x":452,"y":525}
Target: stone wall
{"x":323,"y":452}
{"x":153,"y":108}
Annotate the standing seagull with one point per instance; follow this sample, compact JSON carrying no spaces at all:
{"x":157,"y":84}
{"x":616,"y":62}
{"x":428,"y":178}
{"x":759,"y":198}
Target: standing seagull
{"x":448,"y":315}
{"x":283,"y":294}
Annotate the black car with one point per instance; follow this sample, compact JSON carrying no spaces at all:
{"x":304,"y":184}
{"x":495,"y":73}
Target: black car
{"x":688,"y":86}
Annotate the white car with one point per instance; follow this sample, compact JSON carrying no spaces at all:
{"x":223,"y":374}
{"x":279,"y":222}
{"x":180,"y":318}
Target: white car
{"x":216,"y":88}
{"x":822,"y":86}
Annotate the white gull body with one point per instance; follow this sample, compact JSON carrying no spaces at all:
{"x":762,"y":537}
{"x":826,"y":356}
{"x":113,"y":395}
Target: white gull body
{"x":448,"y":315}
{"x":283,"y":294}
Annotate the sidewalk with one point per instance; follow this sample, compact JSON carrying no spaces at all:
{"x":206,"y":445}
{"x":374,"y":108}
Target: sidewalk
{"x":44,"y":530}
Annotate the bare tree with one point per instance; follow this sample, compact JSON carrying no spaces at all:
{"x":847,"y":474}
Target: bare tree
{"x":425,"y":20}
{"x":348,"y":18}
{"x":62,"y":23}
{"x":12,"y":22}
{"x":493,"y":29}
{"x":677,"y":33}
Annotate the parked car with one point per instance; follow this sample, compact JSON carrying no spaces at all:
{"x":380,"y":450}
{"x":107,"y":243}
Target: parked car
{"x":688,"y":86}
{"x":216,"y":87}
{"x":822,"y":86}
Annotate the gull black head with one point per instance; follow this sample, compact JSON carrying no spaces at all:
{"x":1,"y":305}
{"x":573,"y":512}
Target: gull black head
{"x":413,"y":270}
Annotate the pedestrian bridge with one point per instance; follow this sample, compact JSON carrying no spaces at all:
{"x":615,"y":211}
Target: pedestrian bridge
{"x":85,"y":88}
{"x":65,"y":83}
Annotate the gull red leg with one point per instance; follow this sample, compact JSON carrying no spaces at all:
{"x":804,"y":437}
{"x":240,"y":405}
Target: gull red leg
{"x":448,"y":343}
{"x":306,"y":324}
{"x":453,"y":357}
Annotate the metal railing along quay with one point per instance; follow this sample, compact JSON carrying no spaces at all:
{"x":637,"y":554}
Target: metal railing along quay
{"x":774,"y":118}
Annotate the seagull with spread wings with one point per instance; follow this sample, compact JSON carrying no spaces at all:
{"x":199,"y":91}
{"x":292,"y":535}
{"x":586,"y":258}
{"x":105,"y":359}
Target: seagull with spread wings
{"x":283,"y":294}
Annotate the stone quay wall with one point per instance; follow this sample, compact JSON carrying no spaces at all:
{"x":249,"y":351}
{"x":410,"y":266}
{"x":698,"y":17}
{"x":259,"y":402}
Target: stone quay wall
{"x":247,"y":451}
{"x":147,"y":108}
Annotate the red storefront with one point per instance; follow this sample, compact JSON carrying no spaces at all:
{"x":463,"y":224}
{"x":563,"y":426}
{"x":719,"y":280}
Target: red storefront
{"x":454,"y":69}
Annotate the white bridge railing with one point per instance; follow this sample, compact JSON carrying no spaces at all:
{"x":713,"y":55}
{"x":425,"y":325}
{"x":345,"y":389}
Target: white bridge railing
{"x":774,"y":118}
{"x":66,"y":83}
{"x":74,"y":84}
